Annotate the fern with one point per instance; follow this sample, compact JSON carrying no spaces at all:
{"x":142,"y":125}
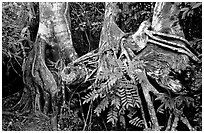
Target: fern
{"x":103,"y":75}
{"x":117,"y":86}
{"x":128,"y":94}
{"x":112,"y":116}
{"x":135,"y":97}
{"x":102,"y":106}
{"x":137,"y":122}
{"x":121,"y":65}
{"x":126,"y":84}
{"x":112,"y":81}
{"x":125,"y":96}
{"x":116,"y":102}
{"x":131,"y":113}
{"x":90,"y":96}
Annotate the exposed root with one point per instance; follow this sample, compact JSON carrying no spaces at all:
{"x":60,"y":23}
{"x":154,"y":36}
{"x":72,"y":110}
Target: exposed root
{"x":147,"y":87}
{"x":23,"y":101}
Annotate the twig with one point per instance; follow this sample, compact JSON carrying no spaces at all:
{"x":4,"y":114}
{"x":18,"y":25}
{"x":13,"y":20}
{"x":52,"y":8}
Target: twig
{"x":85,"y":124}
{"x":185,"y":121}
{"x":82,"y":112}
{"x":73,"y":94}
{"x":90,"y":117}
{"x":169,"y":122}
{"x":17,"y":61}
{"x":104,"y":124}
{"x":7,"y":113}
{"x":98,"y":10}
{"x":15,"y":70}
{"x":175,"y":123}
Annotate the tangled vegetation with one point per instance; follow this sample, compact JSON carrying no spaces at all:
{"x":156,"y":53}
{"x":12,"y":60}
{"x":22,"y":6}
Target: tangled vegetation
{"x":113,"y":101}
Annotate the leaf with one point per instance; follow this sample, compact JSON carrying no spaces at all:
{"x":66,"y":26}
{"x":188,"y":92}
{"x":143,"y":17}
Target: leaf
{"x":136,"y":122}
{"x":184,"y":14}
{"x":102,"y":106}
{"x":196,"y":5}
{"x":132,"y":112}
{"x":190,"y":12}
{"x":112,"y":80}
{"x":184,"y":9}
{"x":162,"y":97}
{"x":116,"y":102}
{"x":125,"y":97}
{"x":90,"y":96}
{"x":112,"y":116}
{"x":160,"y":108}
{"x":135,"y":97}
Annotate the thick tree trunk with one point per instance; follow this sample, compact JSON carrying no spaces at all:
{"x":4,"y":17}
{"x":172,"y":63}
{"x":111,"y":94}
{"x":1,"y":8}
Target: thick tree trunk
{"x":54,"y":27}
{"x":53,"y":46}
{"x":160,"y":46}
{"x":154,"y":50}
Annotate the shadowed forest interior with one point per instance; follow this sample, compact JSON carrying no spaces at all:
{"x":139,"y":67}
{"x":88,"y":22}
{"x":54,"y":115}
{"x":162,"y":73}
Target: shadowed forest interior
{"x":93,"y":66}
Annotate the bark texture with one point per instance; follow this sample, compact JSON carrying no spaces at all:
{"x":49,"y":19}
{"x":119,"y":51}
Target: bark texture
{"x":41,"y":71}
{"x":159,"y":45}
{"x":55,"y":27}
{"x":156,"y":49}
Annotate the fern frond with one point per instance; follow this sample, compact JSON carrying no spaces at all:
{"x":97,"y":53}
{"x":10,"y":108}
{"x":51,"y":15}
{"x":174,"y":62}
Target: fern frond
{"x":102,"y":106}
{"x":135,"y":64}
{"x":90,"y":96}
{"x":121,"y":65}
{"x":131,"y":113}
{"x":103,"y":75}
{"x":127,"y":83}
{"x":112,"y":81}
{"x":116,"y":102}
{"x":136,"y":122}
{"x":126,"y":97}
{"x":112,"y":116}
{"x":135,"y":97}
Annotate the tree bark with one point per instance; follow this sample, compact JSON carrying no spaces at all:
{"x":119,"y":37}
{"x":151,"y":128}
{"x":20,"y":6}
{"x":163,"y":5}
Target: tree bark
{"x":55,"y":27}
{"x":114,"y":46}
{"x":40,"y":75}
{"x":146,"y":48}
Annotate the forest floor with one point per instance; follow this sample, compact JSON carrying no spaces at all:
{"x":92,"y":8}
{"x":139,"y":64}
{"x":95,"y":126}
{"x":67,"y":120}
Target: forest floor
{"x":13,"y":121}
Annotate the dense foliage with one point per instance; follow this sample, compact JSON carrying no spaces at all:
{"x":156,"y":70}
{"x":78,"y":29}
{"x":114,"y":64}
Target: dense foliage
{"x":93,"y":111}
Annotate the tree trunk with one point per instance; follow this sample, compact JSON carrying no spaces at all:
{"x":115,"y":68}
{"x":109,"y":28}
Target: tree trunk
{"x":154,"y":50}
{"x":160,"y":46}
{"x":55,"y":28}
{"x":53,"y":48}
